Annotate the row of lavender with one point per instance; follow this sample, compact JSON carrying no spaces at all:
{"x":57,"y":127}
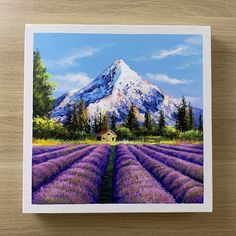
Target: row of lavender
{"x":142,"y":173}
{"x":73,"y":176}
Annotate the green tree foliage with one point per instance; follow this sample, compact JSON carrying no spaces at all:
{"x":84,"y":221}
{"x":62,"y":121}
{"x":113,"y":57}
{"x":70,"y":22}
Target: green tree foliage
{"x":182,"y":116}
{"x":147,"y":121}
{"x":68,"y":122}
{"x":190,"y":118}
{"x":42,"y":88}
{"x":96,"y":124}
{"x":47,"y":128}
{"x":131,"y":121}
{"x":89,"y":128}
{"x":193,"y":135}
{"x":171,"y":132}
{"x":200,"y":126}
{"x":113,"y":121}
{"x":124,"y":133}
{"x":83,"y":117}
{"x":161,"y":123}
{"x":100,"y":122}
{"x":75,"y":119}
{"x":105,"y":121}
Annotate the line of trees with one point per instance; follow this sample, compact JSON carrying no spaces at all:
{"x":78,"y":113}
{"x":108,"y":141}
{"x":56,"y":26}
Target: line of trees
{"x":77,"y":120}
{"x":185,"y":117}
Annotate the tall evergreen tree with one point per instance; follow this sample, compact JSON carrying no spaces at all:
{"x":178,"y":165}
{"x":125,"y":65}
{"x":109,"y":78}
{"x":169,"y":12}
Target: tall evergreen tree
{"x":100,"y":122}
{"x":161,"y":123}
{"x":147,"y":120}
{"x":113,"y":121}
{"x":96,"y":124}
{"x":68,"y":122}
{"x":75,"y":119}
{"x":105,"y":121}
{"x":200,"y":126}
{"x":88,"y":130}
{"x":182,"y":116}
{"x":42,"y":88}
{"x":83,"y":117}
{"x":190,"y":118}
{"x":132,"y":122}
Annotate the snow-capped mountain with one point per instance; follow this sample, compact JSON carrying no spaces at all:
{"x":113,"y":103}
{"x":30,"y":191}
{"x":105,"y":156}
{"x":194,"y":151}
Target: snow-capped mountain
{"x":114,"y":90}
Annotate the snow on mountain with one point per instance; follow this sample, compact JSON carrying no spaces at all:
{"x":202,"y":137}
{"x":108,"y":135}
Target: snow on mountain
{"x":114,"y":90}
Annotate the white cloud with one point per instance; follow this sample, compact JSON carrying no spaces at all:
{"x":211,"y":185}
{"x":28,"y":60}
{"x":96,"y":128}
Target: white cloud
{"x":71,"y":81}
{"x":164,"y":79}
{"x":180,"y":50}
{"x":195,"y":40}
{"x":71,"y":60}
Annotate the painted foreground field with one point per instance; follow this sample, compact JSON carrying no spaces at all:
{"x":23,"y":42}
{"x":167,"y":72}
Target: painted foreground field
{"x":80,"y":174}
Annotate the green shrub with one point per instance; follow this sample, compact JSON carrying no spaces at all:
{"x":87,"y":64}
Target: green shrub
{"x":46,"y":128}
{"x":80,"y":135}
{"x":171,"y":132}
{"x":124,"y":133}
{"x":193,"y":135}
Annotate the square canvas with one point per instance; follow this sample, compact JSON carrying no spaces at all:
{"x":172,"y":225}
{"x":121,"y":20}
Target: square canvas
{"x":117,"y":119}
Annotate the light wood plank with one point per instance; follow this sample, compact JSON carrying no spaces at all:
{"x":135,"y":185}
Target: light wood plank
{"x":221,"y":15}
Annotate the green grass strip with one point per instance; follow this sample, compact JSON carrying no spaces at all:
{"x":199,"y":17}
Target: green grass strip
{"x":106,"y":193}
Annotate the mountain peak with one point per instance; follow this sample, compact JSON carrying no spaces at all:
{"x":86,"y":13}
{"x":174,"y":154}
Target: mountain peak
{"x":119,"y":61}
{"x":113,"y":91}
{"x":121,"y":65}
{"x":124,"y":72}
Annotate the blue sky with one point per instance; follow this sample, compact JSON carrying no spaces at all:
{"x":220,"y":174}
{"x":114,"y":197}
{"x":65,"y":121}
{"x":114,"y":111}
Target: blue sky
{"x":172,"y":62}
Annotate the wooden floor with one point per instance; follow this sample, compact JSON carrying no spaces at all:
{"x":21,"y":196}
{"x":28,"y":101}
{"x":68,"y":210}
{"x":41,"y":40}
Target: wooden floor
{"x":221,"y":15}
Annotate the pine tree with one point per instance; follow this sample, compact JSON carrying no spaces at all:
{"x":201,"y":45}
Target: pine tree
{"x":105,"y":121}
{"x":100,"y":122}
{"x":83,"y":117}
{"x":200,"y":126}
{"x":178,"y":118}
{"x":88,"y":130}
{"x":190,"y":118}
{"x":147,"y":121}
{"x":113,"y":121}
{"x":182,"y":116}
{"x":96,"y":124}
{"x":68,"y":122}
{"x":75,"y":119}
{"x":132,"y":122}
{"x":42,"y":88}
{"x":161,"y":123}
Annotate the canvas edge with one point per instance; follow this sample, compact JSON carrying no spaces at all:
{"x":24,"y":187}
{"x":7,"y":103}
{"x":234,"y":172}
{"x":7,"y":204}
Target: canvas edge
{"x":28,"y":207}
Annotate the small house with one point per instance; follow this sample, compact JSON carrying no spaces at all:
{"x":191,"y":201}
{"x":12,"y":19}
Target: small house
{"x":106,"y":135}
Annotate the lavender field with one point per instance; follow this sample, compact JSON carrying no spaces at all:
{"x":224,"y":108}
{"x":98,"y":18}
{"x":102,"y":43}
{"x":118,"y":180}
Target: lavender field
{"x":125,"y":173}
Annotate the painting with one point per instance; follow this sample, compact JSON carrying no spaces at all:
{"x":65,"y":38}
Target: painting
{"x":117,"y":119}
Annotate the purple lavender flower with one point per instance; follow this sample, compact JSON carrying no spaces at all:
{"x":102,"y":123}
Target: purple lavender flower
{"x":79,"y":184}
{"x":133,"y":184}
{"x":181,"y":148}
{"x":43,"y":172}
{"x":39,"y":158}
{"x":42,"y":149}
{"x":197,"y":146}
{"x":190,"y":157}
{"x":187,"y":168}
{"x":175,"y":182}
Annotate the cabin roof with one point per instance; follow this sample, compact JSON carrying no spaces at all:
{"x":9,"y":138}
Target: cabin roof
{"x":106,"y":131}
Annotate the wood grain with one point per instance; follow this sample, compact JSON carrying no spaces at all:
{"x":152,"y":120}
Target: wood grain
{"x":221,"y":15}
